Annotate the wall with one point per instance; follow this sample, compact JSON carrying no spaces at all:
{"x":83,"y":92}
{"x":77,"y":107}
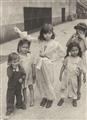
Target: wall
{"x":12,"y":14}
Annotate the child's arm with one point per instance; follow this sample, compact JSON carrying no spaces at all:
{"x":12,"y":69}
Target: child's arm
{"x":9,"y":72}
{"x":23,"y":74}
{"x":61,"y":72}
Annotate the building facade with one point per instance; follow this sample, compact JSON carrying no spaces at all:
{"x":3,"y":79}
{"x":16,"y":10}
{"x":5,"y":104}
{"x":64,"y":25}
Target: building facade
{"x":22,"y":13}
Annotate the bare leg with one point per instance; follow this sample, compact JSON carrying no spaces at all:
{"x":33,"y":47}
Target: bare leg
{"x":31,"y":95}
{"x":25,"y":96}
{"x":79,"y":87}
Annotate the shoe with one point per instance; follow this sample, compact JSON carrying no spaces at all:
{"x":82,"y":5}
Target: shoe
{"x":23,"y":106}
{"x":74,"y":103}
{"x":49,"y":103}
{"x":31,"y":104}
{"x":8,"y":113}
{"x":43,"y":102}
{"x":61,"y":101}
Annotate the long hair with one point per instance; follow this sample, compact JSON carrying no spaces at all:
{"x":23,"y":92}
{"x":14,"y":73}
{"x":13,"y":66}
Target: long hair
{"x":46,"y":28}
{"x":70,"y":46}
{"x":13,"y":56}
{"x":21,"y":42}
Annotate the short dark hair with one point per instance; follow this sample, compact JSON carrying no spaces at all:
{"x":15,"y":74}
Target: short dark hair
{"x":13,"y":56}
{"x":21,"y":42}
{"x":81,"y":26}
{"x":70,"y":46}
{"x":46,"y":28}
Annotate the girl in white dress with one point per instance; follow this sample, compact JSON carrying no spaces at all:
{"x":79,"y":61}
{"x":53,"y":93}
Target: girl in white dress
{"x":72,"y":68}
{"x":46,"y":69}
{"x":27,"y":63}
{"x":80,"y":38}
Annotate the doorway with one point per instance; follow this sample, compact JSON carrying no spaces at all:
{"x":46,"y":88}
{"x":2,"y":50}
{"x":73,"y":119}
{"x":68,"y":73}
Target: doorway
{"x":35,"y":17}
{"x":63,"y":14}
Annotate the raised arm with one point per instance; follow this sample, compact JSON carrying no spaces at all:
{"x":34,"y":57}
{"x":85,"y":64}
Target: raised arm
{"x":9,"y":72}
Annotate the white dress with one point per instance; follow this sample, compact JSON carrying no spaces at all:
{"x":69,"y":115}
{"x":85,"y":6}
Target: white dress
{"x":26,"y":62}
{"x":69,"y":83}
{"x":46,"y":69}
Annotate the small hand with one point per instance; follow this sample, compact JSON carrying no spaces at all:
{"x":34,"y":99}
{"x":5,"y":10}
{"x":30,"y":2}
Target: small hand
{"x":78,"y":71}
{"x":20,"y":80}
{"x":84,"y":77}
{"x":17,"y":30}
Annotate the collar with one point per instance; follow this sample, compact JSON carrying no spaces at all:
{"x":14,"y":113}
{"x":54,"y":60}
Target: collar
{"x":17,"y":69}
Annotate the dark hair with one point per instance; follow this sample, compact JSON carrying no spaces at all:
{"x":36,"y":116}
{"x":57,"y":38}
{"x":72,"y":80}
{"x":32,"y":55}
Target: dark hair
{"x":81,"y":26}
{"x":21,"y":42}
{"x":12,"y":56}
{"x":70,"y":46}
{"x":46,"y":28}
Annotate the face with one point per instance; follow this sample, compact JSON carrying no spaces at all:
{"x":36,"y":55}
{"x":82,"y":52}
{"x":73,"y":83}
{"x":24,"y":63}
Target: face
{"x":74,"y":51}
{"x":15,"y":63}
{"x":80,"y":32}
{"x":24,"y":48}
{"x":47,"y":36}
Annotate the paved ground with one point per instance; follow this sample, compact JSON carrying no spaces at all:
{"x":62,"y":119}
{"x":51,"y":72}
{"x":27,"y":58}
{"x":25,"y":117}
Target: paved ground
{"x":67,"y":111}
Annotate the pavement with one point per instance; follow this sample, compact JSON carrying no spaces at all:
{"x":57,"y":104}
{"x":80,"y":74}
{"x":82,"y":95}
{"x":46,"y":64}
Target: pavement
{"x":66,"y":111}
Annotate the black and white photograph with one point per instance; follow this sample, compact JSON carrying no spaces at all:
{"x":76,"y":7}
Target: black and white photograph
{"x":43,"y":59}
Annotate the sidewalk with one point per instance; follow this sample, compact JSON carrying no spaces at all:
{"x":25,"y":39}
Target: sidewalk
{"x":67,"y":111}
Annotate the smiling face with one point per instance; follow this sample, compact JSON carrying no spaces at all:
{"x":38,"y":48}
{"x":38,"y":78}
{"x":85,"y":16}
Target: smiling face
{"x":80,"y":32}
{"x":47,"y":36}
{"x":15,"y":63}
{"x":24,"y":48}
{"x":74,"y":51}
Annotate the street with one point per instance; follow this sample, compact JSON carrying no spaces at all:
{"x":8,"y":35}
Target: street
{"x":66,"y":111}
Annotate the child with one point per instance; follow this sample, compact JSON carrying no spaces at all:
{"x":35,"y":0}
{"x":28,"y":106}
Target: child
{"x":80,"y":38}
{"x":27,"y":63}
{"x":16,"y":76}
{"x":70,"y":71}
{"x":46,"y":68}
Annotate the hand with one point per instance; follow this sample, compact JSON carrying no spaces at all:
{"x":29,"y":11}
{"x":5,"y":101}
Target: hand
{"x":17,"y":30}
{"x":24,"y":76}
{"x":78,"y":71}
{"x":20,"y":80}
